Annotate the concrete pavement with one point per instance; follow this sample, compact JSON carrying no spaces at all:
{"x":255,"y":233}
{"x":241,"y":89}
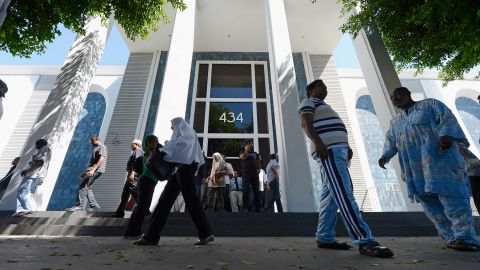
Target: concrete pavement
{"x":89,"y":253}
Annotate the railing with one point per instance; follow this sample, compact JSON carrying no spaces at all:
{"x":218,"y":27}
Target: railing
{"x":388,"y":193}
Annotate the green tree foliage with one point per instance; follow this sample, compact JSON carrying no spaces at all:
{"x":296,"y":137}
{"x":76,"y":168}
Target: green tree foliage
{"x":31,"y":24}
{"x":423,"y":34}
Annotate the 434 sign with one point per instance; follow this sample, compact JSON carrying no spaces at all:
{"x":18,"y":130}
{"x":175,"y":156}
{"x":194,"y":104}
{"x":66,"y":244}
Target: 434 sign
{"x":231,"y":117}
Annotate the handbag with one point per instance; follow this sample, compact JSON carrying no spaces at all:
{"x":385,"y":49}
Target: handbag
{"x":161,"y":168}
{"x":84,"y":176}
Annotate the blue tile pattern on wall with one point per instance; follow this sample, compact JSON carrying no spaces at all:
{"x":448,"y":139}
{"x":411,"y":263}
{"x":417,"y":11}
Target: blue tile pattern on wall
{"x":386,"y":181}
{"x":470,"y":113}
{"x":157,"y":90}
{"x":300,"y":75}
{"x":65,"y":191}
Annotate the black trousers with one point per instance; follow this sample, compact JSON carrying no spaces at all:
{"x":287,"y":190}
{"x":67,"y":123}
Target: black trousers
{"x":129,"y":188}
{"x":275,"y":187}
{"x":181,"y":182}
{"x":216,"y":199}
{"x":475,"y":186}
{"x":250,"y":184}
{"x":146,"y":187}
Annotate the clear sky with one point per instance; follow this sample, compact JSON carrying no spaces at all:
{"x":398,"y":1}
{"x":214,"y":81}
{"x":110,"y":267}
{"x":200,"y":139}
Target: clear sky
{"x":116,"y":52}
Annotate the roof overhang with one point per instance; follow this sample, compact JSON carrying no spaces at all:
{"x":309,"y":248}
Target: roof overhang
{"x":240,"y":26}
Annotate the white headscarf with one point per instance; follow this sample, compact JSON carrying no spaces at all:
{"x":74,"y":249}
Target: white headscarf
{"x":183,"y":146}
{"x":217,"y":160}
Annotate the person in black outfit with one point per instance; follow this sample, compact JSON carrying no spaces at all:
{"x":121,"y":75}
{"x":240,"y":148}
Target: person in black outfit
{"x":130,"y":186}
{"x":6,"y":179}
{"x":250,"y":170}
{"x":146,"y":187}
{"x":182,"y":149}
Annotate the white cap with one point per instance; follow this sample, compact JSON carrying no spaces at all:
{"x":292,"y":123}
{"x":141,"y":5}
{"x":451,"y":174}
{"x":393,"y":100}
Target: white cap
{"x":137,"y":142}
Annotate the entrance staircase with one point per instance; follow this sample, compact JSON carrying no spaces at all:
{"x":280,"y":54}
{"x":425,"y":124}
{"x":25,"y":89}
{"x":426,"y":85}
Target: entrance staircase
{"x":79,"y":223}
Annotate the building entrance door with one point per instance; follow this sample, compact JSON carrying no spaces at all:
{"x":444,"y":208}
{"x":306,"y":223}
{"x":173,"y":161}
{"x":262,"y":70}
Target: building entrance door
{"x":231,"y":104}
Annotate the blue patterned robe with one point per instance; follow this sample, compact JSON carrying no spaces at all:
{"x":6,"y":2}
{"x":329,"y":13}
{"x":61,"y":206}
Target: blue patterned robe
{"x":415,"y":137}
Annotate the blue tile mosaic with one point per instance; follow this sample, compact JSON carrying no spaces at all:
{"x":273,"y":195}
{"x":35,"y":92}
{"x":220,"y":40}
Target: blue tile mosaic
{"x":157,"y":90}
{"x":385,"y":181}
{"x":300,"y":76}
{"x":469,"y":111}
{"x":65,"y":191}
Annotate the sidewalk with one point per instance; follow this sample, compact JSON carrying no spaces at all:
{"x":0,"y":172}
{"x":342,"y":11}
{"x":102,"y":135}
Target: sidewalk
{"x":91,"y":253}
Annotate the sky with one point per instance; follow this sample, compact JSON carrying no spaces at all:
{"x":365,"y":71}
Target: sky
{"x":116,"y":52}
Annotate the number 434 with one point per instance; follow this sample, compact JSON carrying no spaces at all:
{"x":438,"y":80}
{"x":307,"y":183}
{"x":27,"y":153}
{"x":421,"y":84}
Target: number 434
{"x":230,"y":117}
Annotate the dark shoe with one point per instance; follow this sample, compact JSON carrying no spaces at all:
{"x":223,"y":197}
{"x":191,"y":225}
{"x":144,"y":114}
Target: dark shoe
{"x":450,"y":244}
{"x":132,"y":236}
{"x":18,"y":214}
{"x":374,"y":249}
{"x":334,"y":245}
{"x":118,"y":215}
{"x":204,"y":241}
{"x":461,"y":245}
{"x":145,"y":242}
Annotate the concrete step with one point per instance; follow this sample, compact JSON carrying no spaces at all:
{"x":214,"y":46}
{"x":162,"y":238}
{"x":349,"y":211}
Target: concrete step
{"x":80,"y":223}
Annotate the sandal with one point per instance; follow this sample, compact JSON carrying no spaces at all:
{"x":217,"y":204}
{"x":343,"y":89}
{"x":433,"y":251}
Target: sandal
{"x":374,"y":249}
{"x":334,"y":245}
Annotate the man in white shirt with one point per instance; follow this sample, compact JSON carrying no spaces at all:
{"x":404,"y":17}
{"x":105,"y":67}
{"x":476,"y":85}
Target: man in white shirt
{"x":273,"y":171}
{"x":236,"y":192}
{"x":262,"y":182}
{"x":33,"y":177}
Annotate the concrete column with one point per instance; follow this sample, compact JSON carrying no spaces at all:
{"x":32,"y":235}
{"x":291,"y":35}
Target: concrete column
{"x":381,"y":78}
{"x":297,"y":191}
{"x":3,"y":10}
{"x":59,"y":116}
{"x":174,"y":95}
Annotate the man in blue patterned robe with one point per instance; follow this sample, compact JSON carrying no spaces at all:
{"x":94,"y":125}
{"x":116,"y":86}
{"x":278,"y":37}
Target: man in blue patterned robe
{"x":423,"y":134}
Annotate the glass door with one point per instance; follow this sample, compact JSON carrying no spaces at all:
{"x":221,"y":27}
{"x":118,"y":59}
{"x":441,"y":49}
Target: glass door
{"x":232,"y":104}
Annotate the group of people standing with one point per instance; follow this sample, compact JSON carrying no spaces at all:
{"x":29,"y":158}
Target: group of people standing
{"x":223,"y":189}
{"x":425,"y":135}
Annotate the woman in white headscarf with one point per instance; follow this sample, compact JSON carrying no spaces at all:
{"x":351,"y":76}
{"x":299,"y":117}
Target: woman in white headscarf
{"x":183,"y":148}
{"x":216,"y":183}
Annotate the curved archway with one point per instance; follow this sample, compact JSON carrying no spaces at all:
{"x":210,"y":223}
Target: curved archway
{"x":386,"y":183}
{"x":469,"y":111}
{"x":65,"y":191}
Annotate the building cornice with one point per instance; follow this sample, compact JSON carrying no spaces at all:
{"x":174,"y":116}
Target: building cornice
{"x":55,"y":70}
{"x":404,"y":74}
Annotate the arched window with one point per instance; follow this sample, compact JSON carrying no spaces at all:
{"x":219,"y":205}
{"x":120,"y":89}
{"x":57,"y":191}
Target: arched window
{"x":386,"y":183}
{"x":65,"y":192}
{"x":469,"y":111}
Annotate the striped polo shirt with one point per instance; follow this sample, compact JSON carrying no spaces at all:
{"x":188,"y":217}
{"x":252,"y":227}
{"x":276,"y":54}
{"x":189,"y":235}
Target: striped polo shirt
{"x":326,"y":122}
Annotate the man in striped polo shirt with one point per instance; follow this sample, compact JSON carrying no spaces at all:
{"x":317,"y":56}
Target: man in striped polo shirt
{"x":328,"y":133}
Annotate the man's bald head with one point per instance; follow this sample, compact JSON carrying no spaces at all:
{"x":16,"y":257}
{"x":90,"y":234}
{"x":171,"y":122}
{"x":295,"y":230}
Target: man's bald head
{"x":402,"y":91}
{"x":401,"y":97}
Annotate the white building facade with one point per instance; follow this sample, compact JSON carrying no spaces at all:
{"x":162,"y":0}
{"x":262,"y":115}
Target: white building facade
{"x":235,"y":70}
